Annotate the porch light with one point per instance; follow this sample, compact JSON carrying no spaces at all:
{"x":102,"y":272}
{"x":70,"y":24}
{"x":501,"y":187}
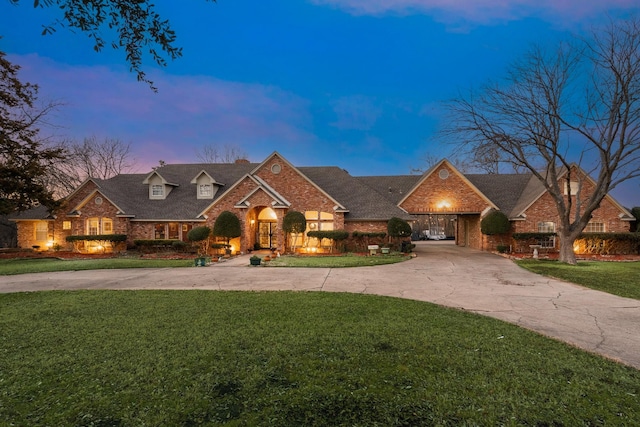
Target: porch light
{"x":253,"y":222}
{"x":50,"y":243}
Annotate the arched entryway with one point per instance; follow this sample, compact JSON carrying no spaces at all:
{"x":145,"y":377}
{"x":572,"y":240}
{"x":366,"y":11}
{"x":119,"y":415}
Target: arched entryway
{"x":264,"y":227}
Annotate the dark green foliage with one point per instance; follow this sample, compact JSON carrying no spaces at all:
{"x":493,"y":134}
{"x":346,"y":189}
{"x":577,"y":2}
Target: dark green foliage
{"x":532,"y":236}
{"x":198,"y":234}
{"x":502,"y":248}
{"x":294,"y":222}
{"x":24,"y":161}
{"x":98,"y":237}
{"x":398,"y":227}
{"x":335,"y":235}
{"x":227,"y":225}
{"x":495,"y":222}
{"x":362,"y":234}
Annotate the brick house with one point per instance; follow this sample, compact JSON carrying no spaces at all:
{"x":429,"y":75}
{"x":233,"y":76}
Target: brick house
{"x":172,"y":199}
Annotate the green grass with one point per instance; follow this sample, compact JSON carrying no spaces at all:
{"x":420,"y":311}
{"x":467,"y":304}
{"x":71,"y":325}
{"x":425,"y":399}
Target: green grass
{"x":346,"y":260}
{"x":618,"y":278}
{"x":21,"y":266}
{"x":188,"y":358}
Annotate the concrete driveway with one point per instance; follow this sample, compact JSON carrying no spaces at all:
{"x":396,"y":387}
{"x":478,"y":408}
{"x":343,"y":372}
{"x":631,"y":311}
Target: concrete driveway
{"x":442,"y":273}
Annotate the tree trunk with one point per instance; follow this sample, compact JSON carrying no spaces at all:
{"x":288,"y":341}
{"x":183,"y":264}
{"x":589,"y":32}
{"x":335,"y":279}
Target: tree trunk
{"x":567,"y":255}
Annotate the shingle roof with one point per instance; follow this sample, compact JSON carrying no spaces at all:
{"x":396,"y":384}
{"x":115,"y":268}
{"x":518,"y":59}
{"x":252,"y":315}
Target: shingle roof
{"x":504,"y":190}
{"x":130,"y":195}
{"x":362,"y":201}
{"x":392,"y":188}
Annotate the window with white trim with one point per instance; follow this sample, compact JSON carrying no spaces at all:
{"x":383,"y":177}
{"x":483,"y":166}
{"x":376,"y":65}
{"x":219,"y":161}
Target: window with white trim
{"x":205,"y":190}
{"x":547,"y":241}
{"x":42,"y":231}
{"x":107,"y":226}
{"x":97,"y":226}
{"x":93,"y":226}
{"x":573,"y":186}
{"x":157,"y":190}
{"x":594,"y":227}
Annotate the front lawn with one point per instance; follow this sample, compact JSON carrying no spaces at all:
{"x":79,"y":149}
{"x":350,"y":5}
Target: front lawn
{"x":188,"y":358}
{"x":41,"y":265}
{"x":336,"y":261}
{"x":618,"y":278}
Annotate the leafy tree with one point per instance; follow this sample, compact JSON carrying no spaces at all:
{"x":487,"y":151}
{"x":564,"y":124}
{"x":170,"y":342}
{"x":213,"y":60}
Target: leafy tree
{"x":579,"y":103}
{"x":227,"y":225}
{"x":294,"y":222}
{"x":495,"y":222}
{"x":200,"y":235}
{"x":139,"y":28}
{"x":24,"y":160}
{"x":398,"y":228}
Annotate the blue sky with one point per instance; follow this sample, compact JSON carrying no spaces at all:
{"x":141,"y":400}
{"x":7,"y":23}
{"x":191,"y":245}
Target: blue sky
{"x":357,"y":84}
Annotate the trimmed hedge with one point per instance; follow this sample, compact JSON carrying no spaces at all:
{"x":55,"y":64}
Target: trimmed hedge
{"x":362,"y":234}
{"x":154,"y":242}
{"x":329,"y":234}
{"x":97,"y":237}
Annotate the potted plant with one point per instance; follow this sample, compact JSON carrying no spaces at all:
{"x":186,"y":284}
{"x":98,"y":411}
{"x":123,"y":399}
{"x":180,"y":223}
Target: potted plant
{"x":255,"y":260}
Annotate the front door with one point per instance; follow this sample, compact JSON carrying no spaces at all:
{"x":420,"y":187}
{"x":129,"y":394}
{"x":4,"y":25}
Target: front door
{"x":266,"y":234}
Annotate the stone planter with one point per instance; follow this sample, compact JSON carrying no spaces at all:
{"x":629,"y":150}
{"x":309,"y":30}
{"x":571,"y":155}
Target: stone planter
{"x":384,"y":250}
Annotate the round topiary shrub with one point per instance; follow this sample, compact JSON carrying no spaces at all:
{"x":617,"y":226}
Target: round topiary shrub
{"x":227,"y":225}
{"x":198,"y":234}
{"x":495,"y":222}
{"x":398,"y":227}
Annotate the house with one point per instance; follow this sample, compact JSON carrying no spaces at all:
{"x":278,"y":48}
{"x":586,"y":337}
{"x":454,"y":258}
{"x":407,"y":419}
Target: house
{"x":173,"y":198}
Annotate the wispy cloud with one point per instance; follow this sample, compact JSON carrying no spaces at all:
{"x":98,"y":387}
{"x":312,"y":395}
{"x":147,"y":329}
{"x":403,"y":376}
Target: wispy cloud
{"x":187,"y":112}
{"x":356,"y":112}
{"x":484,"y":11}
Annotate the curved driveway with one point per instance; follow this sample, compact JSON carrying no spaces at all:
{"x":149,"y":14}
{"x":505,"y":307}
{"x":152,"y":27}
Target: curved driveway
{"x":442,"y":273}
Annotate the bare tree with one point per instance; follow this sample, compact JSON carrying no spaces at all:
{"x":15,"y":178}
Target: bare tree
{"x":577,"y":105}
{"x":226,"y":154}
{"x":92,"y":158}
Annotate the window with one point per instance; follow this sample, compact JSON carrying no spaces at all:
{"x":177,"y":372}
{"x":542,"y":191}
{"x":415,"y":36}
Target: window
{"x":318,"y":221}
{"x":107,"y":226}
{"x":93,"y":225}
{"x":546,"y":227}
{"x":97,"y":226}
{"x":66,"y":225}
{"x":573,"y":187}
{"x":159,"y":231}
{"x":594,"y":227}
{"x":205,"y":190}
{"x":42,"y":230}
{"x":547,"y":241}
{"x":174,"y":230}
{"x":157,"y":190}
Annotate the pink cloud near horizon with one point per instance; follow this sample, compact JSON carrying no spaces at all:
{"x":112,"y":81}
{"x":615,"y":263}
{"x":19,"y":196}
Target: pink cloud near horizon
{"x":187,"y":112}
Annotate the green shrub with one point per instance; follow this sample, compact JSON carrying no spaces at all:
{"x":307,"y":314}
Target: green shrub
{"x":154,"y":242}
{"x":398,"y":227}
{"x":495,"y":222}
{"x":329,"y":234}
{"x":198,"y":234}
{"x":227,"y":225}
{"x":502,"y":248}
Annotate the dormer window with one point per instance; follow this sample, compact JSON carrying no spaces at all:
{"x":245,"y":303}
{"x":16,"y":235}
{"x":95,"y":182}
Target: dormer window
{"x":157,"y":190}
{"x":205,"y":191}
{"x":206,"y":186}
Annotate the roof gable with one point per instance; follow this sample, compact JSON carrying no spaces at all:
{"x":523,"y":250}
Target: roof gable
{"x":439,"y":190}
